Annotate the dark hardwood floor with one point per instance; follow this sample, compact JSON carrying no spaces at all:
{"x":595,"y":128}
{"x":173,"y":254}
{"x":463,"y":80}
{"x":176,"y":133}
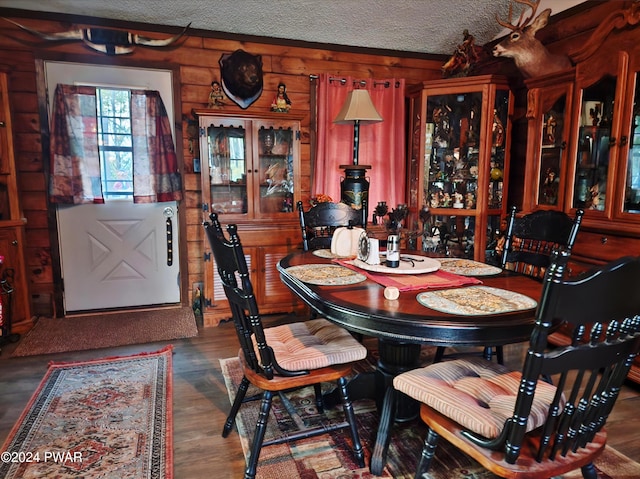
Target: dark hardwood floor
{"x":200,"y":400}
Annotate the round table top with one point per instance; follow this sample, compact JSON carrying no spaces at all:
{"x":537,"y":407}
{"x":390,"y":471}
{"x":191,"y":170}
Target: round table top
{"x":362,"y":308}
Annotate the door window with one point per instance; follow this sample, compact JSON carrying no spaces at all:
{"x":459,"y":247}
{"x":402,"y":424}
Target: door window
{"x":115,"y":143}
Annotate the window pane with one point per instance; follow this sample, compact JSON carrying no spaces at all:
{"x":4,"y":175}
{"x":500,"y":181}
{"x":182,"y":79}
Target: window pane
{"x":115,"y":142}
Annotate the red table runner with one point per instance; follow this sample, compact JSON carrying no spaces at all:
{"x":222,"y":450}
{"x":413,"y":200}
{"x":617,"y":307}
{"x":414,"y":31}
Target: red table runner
{"x":409,"y":282}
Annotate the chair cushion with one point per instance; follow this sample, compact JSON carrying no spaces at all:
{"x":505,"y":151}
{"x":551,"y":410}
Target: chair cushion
{"x":479,"y":395}
{"x":313,"y":344}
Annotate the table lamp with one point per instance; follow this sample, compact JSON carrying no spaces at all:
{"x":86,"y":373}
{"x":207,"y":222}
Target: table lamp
{"x":358,"y":108}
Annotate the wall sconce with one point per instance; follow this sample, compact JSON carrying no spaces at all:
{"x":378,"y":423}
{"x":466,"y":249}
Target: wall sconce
{"x":358,"y":108}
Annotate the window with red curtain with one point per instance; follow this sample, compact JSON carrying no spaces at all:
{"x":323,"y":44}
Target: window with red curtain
{"x":381,"y":145}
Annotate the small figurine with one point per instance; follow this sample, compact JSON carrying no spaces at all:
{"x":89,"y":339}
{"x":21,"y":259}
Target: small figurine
{"x":470,"y":201}
{"x":216,"y":95}
{"x":457,"y":200}
{"x":550,"y":186}
{"x":497,"y":130}
{"x":281,"y":102}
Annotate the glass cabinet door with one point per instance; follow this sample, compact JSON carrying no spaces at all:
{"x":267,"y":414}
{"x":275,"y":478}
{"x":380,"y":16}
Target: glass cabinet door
{"x":631,"y":201}
{"x":453,"y":170}
{"x":275,"y":169}
{"x":552,"y":148}
{"x":498,"y":148}
{"x":594,"y":136}
{"x":227,"y":156}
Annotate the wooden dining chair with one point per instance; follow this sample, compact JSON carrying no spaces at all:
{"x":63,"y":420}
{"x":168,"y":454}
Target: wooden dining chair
{"x":530,"y":239}
{"x":281,"y":358}
{"x":515,"y":423}
{"x":528,"y":243}
{"x":319,"y":222}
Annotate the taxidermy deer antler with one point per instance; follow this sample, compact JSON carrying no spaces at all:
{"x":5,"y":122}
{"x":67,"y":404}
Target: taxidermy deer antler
{"x":531,"y":57}
{"x":111,"y":42}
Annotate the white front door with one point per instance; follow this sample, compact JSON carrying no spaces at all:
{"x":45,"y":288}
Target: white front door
{"x":119,"y":254}
{"x":114,"y":255}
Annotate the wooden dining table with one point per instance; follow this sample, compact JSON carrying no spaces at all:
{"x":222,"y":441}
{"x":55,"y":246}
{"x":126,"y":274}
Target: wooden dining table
{"x":402,"y":326}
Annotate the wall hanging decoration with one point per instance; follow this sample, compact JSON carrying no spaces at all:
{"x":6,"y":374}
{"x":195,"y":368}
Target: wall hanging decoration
{"x":530,"y":56}
{"x":241,"y":77}
{"x":111,"y":42}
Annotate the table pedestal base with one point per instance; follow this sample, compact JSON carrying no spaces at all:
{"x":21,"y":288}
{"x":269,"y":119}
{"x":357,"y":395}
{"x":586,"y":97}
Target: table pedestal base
{"x":395,"y":357}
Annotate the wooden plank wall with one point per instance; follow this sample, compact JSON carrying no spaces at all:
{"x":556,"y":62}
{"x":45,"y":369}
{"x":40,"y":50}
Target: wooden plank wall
{"x":197,"y":60}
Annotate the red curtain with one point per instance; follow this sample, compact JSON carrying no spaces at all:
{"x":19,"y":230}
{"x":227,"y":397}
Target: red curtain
{"x":382,"y":145}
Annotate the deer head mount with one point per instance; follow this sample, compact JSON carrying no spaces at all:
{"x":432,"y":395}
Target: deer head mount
{"x":531,"y":57}
{"x":111,"y":42}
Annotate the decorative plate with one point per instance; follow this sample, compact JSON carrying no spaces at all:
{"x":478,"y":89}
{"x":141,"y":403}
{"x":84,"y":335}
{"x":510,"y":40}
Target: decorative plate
{"x":409,"y":264}
{"x":467,"y":267}
{"x":475,"y":301}
{"x":325,"y":274}
{"x":327,"y":254}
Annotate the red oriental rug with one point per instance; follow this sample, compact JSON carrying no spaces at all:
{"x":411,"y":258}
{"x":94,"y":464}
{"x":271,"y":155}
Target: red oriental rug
{"x":329,"y":456}
{"x":105,"y":418}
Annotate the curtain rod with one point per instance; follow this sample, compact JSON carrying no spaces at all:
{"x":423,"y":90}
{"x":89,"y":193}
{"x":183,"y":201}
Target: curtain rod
{"x":343,"y":81}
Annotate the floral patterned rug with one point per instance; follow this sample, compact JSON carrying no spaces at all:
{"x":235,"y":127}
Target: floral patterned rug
{"x":329,"y":456}
{"x":105,"y":418}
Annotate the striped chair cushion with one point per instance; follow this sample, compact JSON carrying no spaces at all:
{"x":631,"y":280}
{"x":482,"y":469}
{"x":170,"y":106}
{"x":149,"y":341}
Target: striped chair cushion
{"x":479,"y":395}
{"x":313,"y":344}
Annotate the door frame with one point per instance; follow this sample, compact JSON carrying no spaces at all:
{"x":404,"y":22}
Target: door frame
{"x":54,"y":241}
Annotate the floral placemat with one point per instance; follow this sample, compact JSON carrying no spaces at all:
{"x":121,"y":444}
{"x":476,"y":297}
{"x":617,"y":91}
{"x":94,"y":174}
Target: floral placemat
{"x":326,"y":253}
{"x":467,"y":267}
{"x":325,"y":274}
{"x":476,"y":301}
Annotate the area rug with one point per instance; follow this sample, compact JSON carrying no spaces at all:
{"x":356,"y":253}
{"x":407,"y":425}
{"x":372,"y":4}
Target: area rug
{"x":329,"y":456}
{"x":105,"y":418}
{"x":79,"y":333}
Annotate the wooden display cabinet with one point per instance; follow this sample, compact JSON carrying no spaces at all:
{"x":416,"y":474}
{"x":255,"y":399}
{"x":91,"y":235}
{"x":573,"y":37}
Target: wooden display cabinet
{"x":11,"y":220}
{"x":251,"y":177}
{"x":599,"y":170}
{"x":459,"y":160}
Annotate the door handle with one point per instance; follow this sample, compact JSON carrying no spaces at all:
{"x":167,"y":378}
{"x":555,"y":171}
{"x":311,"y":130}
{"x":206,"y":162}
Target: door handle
{"x":168,"y":214}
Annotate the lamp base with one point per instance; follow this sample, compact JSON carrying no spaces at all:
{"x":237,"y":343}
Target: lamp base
{"x":354,"y":187}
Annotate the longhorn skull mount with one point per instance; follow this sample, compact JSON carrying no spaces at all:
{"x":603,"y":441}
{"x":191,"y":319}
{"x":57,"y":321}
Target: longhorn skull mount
{"x":111,"y":42}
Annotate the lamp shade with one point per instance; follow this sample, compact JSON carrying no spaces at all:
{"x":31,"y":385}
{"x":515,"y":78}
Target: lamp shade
{"x":358,"y":107}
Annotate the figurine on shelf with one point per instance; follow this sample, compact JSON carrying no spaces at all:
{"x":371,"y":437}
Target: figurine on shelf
{"x":267,"y":143}
{"x":216,"y":95}
{"x":497,"y":130}
{"x":470,"y":201}
{"x":457,"y":200}
{"x":281,"y":102}
{"x":550,"y":186}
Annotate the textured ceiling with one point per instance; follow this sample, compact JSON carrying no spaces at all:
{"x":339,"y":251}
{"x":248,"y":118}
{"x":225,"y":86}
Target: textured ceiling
{"x":424,"y":26}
